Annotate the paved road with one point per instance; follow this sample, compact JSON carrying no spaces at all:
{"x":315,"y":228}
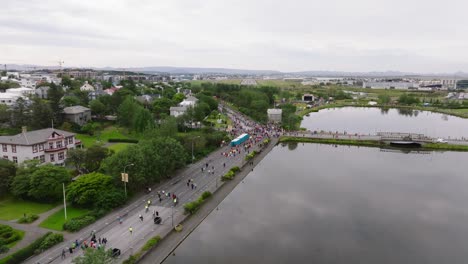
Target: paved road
{"x":118,"y":235}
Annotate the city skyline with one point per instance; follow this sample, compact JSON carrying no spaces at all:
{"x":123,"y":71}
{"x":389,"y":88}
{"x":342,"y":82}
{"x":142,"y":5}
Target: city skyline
{"x":362,"y":36}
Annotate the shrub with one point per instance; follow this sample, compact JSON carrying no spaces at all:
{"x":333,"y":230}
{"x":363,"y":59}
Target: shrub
{"x":192,"y":207}
{"x":26,"y":252}
{"x":228,"y":176}
{"x":78,"y":223}
{"x":131,"y":260}
{"x":28,"y":219}
{"x":123,"y":140}
{"x":235,"y":169}
{"x":251,"y":155}
{"x":7,"y":236}
{"x":206,"y":195}
{"x":151,"y":243}
{"x":50,"y":241}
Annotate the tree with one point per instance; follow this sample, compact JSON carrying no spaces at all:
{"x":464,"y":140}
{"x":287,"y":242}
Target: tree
{"x":21,"y":183}
{"x":126,"y":112}
{"x":95,"y":256}
{"x":384,"y":98}
{"x":46,"y":183}
{"x":42,"y":115}
{"x":54,"y":95}
{"x":94,"y":156}
{"x":70,"y":101}
{"x":161,"y":106}
{"x":201,"y":110}
{"x":143,"y":120}
{"x":168,"y":127}
{"x":97,"y":107}
{"x":20,"y":113}
{"x":5,"y":114}
{"x":77,"y":158}
{"x":7,"y":173}
{"x":178,"y":97}
{"x":88,"y":188}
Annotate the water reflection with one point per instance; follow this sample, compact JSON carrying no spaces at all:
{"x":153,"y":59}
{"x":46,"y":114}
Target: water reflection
{"x":371,"y":120}
{"x":327,"y":204}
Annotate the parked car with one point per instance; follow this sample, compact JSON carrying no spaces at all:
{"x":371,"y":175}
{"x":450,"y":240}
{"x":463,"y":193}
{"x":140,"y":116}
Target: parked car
{"x":441,"y":140}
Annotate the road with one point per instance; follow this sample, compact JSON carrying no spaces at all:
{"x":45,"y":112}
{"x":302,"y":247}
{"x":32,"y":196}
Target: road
{"x":118,"y":235}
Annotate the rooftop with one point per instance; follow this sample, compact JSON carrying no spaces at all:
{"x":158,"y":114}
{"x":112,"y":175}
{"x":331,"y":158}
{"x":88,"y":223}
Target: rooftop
{"x":33,"y":137}
{"x":77,"y":109}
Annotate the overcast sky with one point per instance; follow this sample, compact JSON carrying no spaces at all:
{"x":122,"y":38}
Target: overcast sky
{"x":287,"y":35}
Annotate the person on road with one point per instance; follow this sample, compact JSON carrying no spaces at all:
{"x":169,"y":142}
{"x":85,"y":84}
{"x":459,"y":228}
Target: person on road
{"x":130,"y":229}
{"x":63,"y":253}
{"x":188,"y":183}
{"x":149,"y":202}
{"x":120,"y":219}
{"x":224,"y":164}
{"x":141,"y":217}
{"x":146,"y":208}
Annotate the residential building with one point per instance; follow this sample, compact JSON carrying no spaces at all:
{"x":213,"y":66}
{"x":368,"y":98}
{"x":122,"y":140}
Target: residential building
{"x":46,"y":145}
{"x":77,"y":114}
{"x":42,"y":92}
{"x":274,"y":115}
{"x":8,"y":99}
{"x":189,"y":101}
{"x":390,"y":85}
{"x":87,"y":87}
{"x":177,"y":110}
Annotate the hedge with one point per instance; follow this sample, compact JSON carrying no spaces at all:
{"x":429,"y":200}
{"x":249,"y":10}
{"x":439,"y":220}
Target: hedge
{"x":123,"y":140}
{"x":50,"y":241}
{"x":148,"y":245}
{"x":28,"y":219}
{"x":230,"y":174}
{"x":78,"y":223}
{"x":251,"y":155}
{"x":26,"y":252}
{"x":192,"y":207}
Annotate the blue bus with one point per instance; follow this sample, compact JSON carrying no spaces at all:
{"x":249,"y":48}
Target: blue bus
{"x":240,"y":139}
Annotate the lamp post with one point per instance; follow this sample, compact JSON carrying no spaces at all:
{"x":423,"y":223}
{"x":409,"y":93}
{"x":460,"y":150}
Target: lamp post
{"x":125,"y":178}
{"x":172,"y":215}
{"x":193,"y":139}
{"x":64,"y":201}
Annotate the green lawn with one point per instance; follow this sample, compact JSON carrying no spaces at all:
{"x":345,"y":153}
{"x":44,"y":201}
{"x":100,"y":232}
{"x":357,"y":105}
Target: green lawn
{"x":11,"y":208}
{"x":117,"y":147}
{"x":101,"y":136}
{"x":56,"y":221}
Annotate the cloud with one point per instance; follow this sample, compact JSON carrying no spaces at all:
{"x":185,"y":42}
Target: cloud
{"x":361,"y":35}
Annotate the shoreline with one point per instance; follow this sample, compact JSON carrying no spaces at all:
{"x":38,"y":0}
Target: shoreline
{"x":371,"y":143}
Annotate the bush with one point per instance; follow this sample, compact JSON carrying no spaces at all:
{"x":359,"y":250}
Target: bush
{"x":235,"y":169}
{"x":28,"y":219}
{"x":192,"y":207}
{"x":151,"y":243}
{"x":50,"y":241}
{"x":7,"y":236}
{"x":228,"y":176}
{"x":123,"y":140}
{"x":251,"y":155}
{"x":26,"y":252}
{"x":78,"y":223}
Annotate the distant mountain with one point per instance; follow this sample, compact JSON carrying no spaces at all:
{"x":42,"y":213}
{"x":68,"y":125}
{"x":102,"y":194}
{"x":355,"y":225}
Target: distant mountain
{"x":227,"y":71}
{"x":191,"y":70}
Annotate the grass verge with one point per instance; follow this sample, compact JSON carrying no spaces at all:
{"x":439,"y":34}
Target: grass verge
{"x":12,"y":208}
{"x":56,"y":220}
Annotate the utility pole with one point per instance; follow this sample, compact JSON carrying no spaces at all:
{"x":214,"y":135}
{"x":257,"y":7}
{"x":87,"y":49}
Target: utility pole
{"x":64,"y":201}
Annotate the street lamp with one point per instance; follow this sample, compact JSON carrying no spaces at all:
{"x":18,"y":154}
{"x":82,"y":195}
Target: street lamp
{"x":172,"y":215}
{"x":193,"y":139}
{"x":125,"y":178}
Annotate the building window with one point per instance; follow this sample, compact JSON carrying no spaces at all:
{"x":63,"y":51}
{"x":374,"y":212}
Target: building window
{"x":61,"y":156}
{"x":70,"y":140}
{"x":34,"y":148}
{"x":42,"y":158}
{"x":66,"y":141}
{"x":51,"y":145}
{"x":13,"y":148}
{"x":59,"y":144}
{"x":41,"y":147}
{"x":52,"y":158}
{"x":4,"y":147}
{"x":5,"y":157}
{"x":15,"y":159}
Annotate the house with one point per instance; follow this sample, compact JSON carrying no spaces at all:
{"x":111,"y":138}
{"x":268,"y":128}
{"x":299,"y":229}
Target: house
{"x":87,"y":87}
{"x":178,"y":110}
{"x":189,"y":101}
{"x":77,"y":114}
{"x":46,"y":145}
{"x":42,"y":92}
{"x":274,"y":115}
{"x":8,"y":99}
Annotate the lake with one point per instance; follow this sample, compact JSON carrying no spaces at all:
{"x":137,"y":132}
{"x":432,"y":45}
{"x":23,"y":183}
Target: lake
{"x":365,"y":120}
{"x":314,"y":203}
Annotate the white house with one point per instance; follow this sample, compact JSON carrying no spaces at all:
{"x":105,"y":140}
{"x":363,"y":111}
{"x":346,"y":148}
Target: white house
{"x":47,"y":145}
{"x":87,"y":87}
{"x":274,"y":115}
{"x":177,"y":110}
{"x":189,"y":101}
{"x":8,"y":99}
{"x":42,"y":92}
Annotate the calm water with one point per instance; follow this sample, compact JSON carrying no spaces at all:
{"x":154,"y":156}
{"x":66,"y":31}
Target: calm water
{"x":371,"y":120}
{"x":323,"y":204}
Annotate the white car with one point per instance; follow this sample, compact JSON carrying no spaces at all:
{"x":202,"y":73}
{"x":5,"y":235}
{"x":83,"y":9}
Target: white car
{"x":441,"y":140}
